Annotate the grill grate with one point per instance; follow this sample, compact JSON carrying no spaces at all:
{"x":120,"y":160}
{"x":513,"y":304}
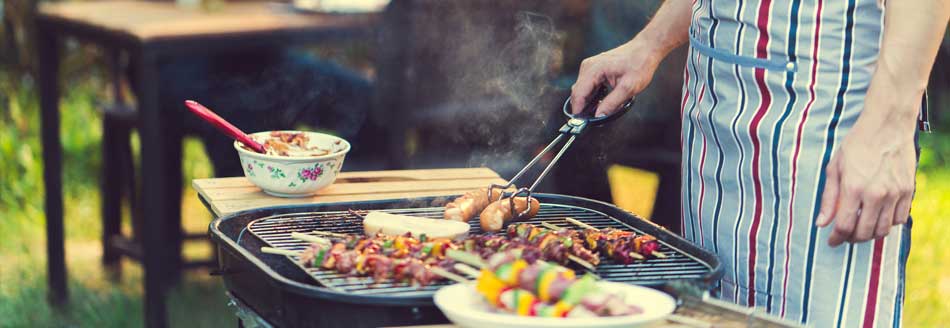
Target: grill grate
{"x":275,"y":231}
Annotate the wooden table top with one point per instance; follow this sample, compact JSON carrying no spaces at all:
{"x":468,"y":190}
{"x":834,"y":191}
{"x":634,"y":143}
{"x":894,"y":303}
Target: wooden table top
{"x":148,"y":20}
{"x":228,"y":195}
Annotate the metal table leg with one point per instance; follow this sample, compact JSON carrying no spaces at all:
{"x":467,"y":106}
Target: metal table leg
{"x":49,"y":48}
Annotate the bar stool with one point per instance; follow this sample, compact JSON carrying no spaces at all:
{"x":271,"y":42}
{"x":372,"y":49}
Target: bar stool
{"x":119,"y":181}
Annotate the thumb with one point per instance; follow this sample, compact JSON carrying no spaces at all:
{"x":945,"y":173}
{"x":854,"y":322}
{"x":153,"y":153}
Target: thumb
{"x":829,"y":196}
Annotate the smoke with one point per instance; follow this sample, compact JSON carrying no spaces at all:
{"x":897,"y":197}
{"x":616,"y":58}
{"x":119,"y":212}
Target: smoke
{"x":521,"y":71}
{"x":497,"y":65}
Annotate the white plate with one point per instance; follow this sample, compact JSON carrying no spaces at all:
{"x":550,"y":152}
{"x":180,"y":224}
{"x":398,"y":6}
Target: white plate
{"x":465,"y":307}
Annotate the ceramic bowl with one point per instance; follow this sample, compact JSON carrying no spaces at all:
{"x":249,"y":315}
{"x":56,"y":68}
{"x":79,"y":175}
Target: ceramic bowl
{"x":284,"y":176}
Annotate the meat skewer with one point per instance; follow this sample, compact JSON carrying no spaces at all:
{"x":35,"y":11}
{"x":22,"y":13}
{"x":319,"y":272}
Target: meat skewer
{"x":404,"y":257}
{"x":590,"y":266}
{"x":554,"y":242}
{"x":384,"y":258}
{"x":550,"y":247}
{"x":630,"y":245}
{"x":607,"y":241}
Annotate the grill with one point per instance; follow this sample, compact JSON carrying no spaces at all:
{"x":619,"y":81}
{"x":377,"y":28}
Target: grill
{"x":275,"y":231}
{"x":286,"y":294}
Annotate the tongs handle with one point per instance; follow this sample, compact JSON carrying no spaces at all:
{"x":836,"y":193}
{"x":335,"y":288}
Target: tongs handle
{"x":576,"y":124}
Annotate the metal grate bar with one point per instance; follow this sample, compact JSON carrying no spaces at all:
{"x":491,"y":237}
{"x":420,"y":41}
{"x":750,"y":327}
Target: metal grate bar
{"x":275,"y":231}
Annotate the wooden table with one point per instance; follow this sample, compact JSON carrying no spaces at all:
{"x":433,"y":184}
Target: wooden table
{"x":150,"y":32}
{"x":224,"y":196}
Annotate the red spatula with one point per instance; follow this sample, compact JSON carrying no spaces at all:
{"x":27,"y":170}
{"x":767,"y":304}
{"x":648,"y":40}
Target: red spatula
{"x":226,"y":127}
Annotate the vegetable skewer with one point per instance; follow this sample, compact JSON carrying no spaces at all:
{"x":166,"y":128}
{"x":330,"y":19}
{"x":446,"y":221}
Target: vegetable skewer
{"x":546,"y":290}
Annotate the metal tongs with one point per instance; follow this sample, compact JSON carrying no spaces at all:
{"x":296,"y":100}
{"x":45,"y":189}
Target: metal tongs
{"x":575,"y":126}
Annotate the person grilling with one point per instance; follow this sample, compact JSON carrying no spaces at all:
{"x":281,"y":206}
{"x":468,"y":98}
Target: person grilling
{"x":798,"y":143}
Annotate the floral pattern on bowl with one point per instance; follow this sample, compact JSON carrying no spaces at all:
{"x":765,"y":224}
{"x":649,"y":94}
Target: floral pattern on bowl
{"x":293,"y":176}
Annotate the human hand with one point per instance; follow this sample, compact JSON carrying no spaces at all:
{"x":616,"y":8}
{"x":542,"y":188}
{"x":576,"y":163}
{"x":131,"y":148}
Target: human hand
{"x":870,"y":179}
{"x":628,"y":69}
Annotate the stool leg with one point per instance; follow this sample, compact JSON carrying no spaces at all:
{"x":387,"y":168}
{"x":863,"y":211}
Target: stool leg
{"x":111,"y":191}
{"x":131,"y":184}
{"x":172,"y":223}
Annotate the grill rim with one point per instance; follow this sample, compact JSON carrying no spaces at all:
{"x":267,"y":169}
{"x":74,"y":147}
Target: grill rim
{"x":311,"y":290}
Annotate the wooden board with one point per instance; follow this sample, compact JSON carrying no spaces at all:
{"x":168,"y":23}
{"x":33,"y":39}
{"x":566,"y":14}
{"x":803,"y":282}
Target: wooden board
{"x":147,"y":20}
{"x":229,"y":195}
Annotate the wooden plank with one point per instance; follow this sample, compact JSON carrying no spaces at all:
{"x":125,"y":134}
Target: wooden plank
{"x":228,"y":195}
{"x":230,"y":206}
{"x":253,"y":192}
{"x":366,"y":176}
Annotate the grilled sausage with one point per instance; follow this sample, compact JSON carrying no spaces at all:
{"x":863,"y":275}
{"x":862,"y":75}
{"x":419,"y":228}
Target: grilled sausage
{"x":468,"y":205}
{"x":498,"y":212}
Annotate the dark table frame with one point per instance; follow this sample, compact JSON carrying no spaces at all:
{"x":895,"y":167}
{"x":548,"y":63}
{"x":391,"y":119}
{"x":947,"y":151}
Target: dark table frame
{"x":155,"y":197}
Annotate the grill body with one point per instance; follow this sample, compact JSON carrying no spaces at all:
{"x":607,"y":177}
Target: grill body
{"x":287,"y":295}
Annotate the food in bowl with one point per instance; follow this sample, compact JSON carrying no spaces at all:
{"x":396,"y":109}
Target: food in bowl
{"x":293,"y":144}
{"x":301,"y":164}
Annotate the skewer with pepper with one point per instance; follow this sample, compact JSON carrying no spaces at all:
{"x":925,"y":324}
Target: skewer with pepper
{"x":549,"y":245}
{"x":623,"y":246}
{"x":537,"y":288}
{"x":400,"y":258}
{"x":406,"y":258}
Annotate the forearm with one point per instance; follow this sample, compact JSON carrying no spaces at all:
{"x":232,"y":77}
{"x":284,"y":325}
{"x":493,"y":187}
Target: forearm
{"x":913,"y":30}
{"x":668,"y":29}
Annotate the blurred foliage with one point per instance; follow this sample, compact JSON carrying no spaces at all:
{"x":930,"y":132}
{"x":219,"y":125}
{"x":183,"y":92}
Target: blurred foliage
{"x":97,"y":298}
{"x":96,"y":301}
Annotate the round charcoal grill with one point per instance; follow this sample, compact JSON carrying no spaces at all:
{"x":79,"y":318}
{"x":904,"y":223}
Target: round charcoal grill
{"x":286,"y":294}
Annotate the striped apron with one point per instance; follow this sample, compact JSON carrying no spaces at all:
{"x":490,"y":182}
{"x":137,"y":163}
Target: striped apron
{"x":771,"y":88}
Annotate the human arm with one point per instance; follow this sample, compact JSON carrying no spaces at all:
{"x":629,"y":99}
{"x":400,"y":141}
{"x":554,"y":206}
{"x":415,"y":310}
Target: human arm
{"x":870,"y":178}
{"x":630,"y":67}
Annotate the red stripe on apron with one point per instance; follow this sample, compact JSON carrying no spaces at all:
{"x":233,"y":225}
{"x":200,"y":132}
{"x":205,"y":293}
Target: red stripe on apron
{"x":874,"y":282}
{"x":761,"y":52}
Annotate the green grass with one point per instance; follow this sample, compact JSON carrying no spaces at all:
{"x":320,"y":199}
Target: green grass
{"x":100,"y":300}
{"x":928,"y":268}
{"x":97,"y":298}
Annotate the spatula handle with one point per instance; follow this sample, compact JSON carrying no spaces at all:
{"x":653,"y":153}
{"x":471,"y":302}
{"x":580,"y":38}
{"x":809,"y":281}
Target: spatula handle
{"x":225,"y":126}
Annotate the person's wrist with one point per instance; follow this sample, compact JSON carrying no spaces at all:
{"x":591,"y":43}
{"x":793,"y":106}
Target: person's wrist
{"x":892,"y":103}
{"x":886,"y":118}
{"x":901,"y":79}
{"x":650,"y":52}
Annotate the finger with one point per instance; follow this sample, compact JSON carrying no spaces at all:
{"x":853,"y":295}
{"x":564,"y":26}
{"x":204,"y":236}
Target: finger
{"x":903,"y":210}
{"x":587,"y":79}
{"x":886,"y":219}
{"x":623,"y":91}
{"x":867,"y":221}
{"x":846,"y":217}
{"x":829,"y":196}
